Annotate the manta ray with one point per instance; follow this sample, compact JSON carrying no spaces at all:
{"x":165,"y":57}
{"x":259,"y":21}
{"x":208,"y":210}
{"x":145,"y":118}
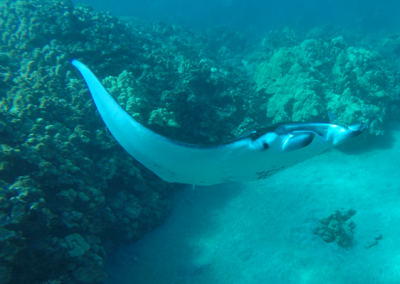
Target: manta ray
{"x":253,"y":156}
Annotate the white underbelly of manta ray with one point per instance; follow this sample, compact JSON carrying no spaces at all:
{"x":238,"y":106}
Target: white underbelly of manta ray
{"x":254,"y":156}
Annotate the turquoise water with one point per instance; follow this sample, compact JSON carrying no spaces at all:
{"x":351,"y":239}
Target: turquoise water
{"x":260,"y":232}
{"x":76,"y":208}
{"x":255,"y":15}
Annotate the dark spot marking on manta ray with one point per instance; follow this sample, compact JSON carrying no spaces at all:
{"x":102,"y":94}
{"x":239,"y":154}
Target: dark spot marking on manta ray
{"x":265,"y":145}
{"x":265,"y":174}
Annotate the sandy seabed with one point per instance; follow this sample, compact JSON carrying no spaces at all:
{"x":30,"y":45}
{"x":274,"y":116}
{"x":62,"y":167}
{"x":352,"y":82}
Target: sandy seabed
{"x":260,"y":232}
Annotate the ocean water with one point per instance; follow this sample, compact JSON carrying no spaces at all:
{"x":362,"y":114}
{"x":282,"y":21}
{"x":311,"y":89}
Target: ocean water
{"x":76,"y":208}
{"x":259,"y":15}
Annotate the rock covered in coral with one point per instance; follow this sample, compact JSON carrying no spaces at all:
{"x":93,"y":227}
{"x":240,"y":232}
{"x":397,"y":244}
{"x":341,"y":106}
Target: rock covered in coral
{"x":59,"y":167}
{"x":303,"y":81}
{"x":337,"y":227}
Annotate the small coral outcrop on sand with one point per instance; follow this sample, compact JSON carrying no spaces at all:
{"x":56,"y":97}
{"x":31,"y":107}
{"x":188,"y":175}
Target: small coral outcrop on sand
{"x":337,"y":227}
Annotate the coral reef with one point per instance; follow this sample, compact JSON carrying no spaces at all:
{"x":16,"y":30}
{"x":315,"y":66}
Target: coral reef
{"x":337,"y":227}
{"x":68,"y":193}
{"x":301,"y":82}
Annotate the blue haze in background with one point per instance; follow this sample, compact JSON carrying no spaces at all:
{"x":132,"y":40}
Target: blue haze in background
{"x":243,"y":15}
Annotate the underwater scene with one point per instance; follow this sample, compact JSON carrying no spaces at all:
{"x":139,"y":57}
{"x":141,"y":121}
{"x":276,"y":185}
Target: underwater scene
{"x":218,"y":142}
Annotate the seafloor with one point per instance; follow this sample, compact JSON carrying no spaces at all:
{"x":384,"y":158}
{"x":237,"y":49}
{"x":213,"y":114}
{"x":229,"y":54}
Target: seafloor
{"x":260,"y":232}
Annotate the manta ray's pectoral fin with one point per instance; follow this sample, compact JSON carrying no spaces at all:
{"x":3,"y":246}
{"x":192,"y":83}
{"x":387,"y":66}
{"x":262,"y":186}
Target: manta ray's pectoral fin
{"x":297,"y":141}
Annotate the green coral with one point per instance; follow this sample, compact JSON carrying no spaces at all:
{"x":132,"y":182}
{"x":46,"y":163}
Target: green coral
{"x":89,"y":275}
{"x":302,"y":82}
{"x":76,"y":245}
{"x":162,"y":117}
{"x":129,"y":94}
